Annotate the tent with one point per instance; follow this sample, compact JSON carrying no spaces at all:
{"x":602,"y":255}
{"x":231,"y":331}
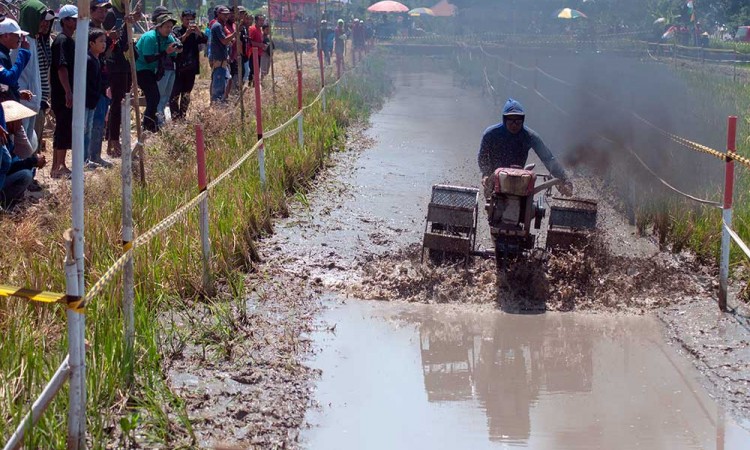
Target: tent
{"x":444,"y":9}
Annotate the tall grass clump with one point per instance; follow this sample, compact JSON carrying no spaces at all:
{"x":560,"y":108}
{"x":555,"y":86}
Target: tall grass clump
{"x":167,"y":270}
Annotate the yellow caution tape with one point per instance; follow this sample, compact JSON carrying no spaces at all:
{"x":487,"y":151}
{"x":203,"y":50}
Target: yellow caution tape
{"x":76,"y":304}
{"x":31,"y":294}
{"x":127,"y":246}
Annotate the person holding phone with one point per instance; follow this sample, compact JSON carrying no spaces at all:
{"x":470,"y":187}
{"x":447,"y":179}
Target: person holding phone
{"x":191,"y":37}
{"x":154,"y":44}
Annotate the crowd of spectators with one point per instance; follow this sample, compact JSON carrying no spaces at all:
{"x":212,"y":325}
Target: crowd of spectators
{"x":37,"y":73}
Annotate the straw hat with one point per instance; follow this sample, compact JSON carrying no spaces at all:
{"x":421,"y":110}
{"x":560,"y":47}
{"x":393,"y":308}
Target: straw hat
{"x":16,"y":111}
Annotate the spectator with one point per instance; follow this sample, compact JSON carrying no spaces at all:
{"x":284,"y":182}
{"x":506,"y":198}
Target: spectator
{"x":11,"y":38}
{"x":16,"y":173}
{"x":118,"y":74}
{"x":265,"y":61}
{"x":188,"y":65}
{"x":97,"y":43}
{"x":247,"y":64}
{"x":256,"y":37}
{"x":219,"y":54}
{"x":35,"y":19}
{"x":166,"y":83}
{"x":326,"y":37}
{"x":339,"y":46}
{"x":154,"y":44}
{"x":93,"y":150}
{"x":229,"y":28}
{"x":61,"y":72}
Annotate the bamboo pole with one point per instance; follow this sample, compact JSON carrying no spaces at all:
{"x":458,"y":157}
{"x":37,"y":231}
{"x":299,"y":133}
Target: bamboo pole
{"x":76,"y":288}
{"x":40,"y":405}
{"x":134,"y":92}
{"x":259,"y":119}
{"x":128,"y":279}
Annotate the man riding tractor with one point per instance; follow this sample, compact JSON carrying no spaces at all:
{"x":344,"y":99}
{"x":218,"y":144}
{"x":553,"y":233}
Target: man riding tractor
{"x":507,"y":144}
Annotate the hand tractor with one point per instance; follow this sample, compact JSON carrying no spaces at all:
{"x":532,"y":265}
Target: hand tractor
{"x":513,"y":213}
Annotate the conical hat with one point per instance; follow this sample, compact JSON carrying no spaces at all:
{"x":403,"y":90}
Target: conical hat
{"x":16,"y":111}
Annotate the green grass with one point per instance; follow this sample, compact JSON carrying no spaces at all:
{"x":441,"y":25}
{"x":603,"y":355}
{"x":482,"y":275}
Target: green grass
{"x":167,"y":270}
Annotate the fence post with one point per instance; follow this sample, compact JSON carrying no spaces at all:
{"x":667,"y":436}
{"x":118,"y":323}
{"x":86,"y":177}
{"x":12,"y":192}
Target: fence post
{"x":259,"y":119}
{"x":76,"y":346}
{"x":727,"y":213}
{"x":200,"y":147}
{"x":128,"y":280}
{"x":76,"y":319}
{"x":300,"y":127}
{"x":322,"y":79}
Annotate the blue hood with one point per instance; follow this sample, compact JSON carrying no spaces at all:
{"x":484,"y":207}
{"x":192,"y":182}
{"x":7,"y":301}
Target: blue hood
{"x":513,"y":108}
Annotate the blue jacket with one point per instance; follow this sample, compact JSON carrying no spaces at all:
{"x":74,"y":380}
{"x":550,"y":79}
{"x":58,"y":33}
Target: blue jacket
{"x":501,"y":148}
{"x":12,"y":71}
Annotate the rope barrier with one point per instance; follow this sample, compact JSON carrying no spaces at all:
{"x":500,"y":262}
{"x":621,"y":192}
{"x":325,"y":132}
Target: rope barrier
{"x":735,"y":237}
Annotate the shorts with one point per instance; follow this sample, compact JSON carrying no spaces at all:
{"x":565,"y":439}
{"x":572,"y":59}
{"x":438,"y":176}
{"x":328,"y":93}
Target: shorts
{"x":63,"y":136}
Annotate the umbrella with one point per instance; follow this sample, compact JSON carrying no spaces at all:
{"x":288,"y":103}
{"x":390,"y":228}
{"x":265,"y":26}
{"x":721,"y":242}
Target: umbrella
{"x":568,"y":13}
{"x":388,"y":6}
{"x":421,"y":11}
{"x":444,"y":9}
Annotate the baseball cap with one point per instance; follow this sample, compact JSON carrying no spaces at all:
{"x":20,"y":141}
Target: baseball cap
{"x":221,"y":9}
{"x":68,"y":11}
{"x":48,"y":15}
{"x":9,"y":25}
{"x":189,"y":13}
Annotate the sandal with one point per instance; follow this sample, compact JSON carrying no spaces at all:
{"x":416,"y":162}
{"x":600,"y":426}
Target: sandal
{"x":62,"y":172}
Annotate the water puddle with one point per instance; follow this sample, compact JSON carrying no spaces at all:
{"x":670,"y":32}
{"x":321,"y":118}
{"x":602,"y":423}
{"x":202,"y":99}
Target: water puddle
{"x":422,"y":376}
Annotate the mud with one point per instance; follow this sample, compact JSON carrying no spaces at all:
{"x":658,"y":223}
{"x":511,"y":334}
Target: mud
{"x":356,"y":236}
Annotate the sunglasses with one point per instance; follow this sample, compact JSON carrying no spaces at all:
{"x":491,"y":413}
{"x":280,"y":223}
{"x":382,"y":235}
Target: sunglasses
{"x":514,"y":121}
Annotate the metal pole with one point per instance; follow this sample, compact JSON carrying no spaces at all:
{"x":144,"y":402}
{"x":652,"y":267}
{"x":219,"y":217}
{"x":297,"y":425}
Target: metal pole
{"x":40,"y":404}
{"x":202,"y":186}
{"x":128,"y":278}
{"x":259,"y":119}
{"x":300,"y":127}
{"x":76,"y":350}
{"x":727,"y":212}
{"x":76,"y":320}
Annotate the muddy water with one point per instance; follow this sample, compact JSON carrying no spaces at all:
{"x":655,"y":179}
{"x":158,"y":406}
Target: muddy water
{"x":420,"y":376}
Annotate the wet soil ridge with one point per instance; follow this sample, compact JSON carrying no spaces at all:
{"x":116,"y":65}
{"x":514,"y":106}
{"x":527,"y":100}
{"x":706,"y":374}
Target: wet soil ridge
{"x":240,"y":370}
{"x":587,"y":279}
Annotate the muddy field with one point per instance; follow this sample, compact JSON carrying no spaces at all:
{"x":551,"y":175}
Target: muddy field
{"x":356,"y":237}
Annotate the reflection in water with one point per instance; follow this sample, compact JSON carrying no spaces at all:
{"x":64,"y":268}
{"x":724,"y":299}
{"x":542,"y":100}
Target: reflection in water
{"x":506,"y":366}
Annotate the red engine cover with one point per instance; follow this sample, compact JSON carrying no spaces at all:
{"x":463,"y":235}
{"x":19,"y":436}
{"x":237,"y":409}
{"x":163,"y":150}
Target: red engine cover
{"x":514,"y":181}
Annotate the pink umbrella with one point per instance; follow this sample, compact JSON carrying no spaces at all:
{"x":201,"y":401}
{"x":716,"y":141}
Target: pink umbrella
{"x":388,"y":6}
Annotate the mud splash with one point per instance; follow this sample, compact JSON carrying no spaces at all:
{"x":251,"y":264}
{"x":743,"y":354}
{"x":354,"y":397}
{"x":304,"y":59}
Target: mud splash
{"x":589,"y":279}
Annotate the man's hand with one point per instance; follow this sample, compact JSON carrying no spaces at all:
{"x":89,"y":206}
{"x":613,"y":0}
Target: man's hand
{"x":171,"y":48}
{"x":565,"y":188}
{"x":41,"y":161}
{"x":26,"y":95}
{"x":68,"y":99}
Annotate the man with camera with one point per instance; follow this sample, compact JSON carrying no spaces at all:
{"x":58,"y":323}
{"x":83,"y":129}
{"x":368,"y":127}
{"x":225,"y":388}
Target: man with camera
{"x":191,"y":37}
